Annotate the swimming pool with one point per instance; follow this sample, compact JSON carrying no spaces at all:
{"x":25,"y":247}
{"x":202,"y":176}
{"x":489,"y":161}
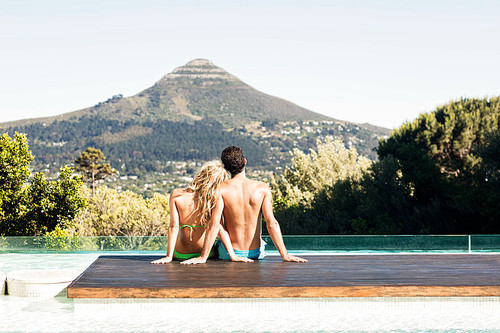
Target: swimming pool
{"x":60,"y":314}
{"x":328,"y":243}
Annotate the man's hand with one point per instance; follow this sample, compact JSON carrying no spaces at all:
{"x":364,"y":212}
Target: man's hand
{"x":241,"y":259}
{"x":165,"y":260}
{"x":194,"y":261}
{"x":290,"y":258}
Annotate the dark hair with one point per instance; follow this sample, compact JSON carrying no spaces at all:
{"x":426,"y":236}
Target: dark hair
{"x":233,"y":159}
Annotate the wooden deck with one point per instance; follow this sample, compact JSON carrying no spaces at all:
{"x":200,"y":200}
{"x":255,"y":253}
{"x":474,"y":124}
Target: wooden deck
{"x":408,"y":275}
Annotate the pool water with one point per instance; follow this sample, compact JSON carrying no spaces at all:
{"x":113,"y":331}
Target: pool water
{"x":60,"y":314}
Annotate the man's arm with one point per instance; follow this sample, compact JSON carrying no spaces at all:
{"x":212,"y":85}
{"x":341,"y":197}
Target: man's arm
{"x":273,"y":227}
{"x":210,"y":234}
{"x":173,"y":232}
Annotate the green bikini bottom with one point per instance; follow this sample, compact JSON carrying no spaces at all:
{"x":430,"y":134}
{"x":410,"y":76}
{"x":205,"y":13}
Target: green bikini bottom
{"x":185,"y":255}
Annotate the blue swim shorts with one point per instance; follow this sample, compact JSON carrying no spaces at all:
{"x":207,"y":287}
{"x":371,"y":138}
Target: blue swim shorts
{"x":258,"y":253}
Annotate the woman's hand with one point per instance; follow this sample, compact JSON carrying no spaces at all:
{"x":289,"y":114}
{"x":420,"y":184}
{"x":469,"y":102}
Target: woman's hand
{"x":194,"y":261}
{"x":165,"y":260}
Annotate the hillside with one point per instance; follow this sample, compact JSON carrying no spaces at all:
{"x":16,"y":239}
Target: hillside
{"x":192,"y":92}
{"x":187,"y":117}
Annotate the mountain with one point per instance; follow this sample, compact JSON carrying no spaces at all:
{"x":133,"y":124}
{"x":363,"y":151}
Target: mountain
{"x":195,"y":91}
{"x":185,"y":118}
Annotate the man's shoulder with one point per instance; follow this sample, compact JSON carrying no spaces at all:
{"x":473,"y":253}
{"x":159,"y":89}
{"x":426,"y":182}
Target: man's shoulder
{"x":260,"y":188}
{"x":253,"y":185}
{"x":225,"y":185}
{"x":260,"y":184}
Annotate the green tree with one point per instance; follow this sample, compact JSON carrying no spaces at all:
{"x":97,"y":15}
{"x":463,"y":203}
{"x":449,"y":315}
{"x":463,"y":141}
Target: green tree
{"x":449,"y":135}
{"x":15,"y":158}
{"x":123,"y":214}
{"x":443,"y":167}
{"x":91,"y":165}
{"x":32,"y":209}
{"x":53,"y":203}
{"x":438,"y":174}
{"x":310,"y":173}
{"x":487,"y":186}
{"x":490,"y":155}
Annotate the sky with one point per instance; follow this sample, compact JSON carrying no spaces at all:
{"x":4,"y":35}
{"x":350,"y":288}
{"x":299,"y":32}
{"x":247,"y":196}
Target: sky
{"x":378,"y":62}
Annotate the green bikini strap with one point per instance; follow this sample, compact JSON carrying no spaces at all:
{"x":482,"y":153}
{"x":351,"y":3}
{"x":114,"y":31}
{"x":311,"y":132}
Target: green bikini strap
{"x":190,"y":229}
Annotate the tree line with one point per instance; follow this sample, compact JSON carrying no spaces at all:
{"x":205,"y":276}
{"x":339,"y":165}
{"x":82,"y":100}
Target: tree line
{"x":145,"y":143}
{"x":436,"y":175}
{"x":141,"y":146}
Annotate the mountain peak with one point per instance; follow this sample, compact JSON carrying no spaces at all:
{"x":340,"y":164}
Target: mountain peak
{"x":200,"y":63}
{"x":199,"y":69}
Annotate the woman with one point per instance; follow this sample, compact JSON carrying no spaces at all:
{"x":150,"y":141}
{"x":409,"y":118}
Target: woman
{"x":190,"y":211}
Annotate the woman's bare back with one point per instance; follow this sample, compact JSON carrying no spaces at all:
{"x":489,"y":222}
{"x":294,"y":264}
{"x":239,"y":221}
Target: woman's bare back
{"x":191,"y":232}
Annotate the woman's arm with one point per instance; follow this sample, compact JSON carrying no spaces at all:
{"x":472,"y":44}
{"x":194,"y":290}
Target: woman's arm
{"x":226,"y":241}
{"x":173,"y":231}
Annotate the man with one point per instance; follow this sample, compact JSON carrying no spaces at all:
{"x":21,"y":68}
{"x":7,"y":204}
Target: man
{"x":242,"y":203}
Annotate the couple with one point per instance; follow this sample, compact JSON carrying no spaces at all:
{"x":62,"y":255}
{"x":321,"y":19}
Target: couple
{"x":196,"y":213}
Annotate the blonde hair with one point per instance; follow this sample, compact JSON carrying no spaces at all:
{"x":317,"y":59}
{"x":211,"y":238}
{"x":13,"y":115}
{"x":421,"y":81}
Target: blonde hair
{"x":206,"y":188}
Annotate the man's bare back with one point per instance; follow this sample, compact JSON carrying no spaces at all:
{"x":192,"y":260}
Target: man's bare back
{"x":243,"y":199}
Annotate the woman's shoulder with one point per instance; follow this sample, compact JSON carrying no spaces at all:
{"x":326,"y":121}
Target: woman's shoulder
{"x":178,"y":192}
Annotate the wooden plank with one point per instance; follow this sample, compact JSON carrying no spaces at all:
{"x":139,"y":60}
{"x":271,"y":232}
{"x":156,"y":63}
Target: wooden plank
{"x":322,"y":276}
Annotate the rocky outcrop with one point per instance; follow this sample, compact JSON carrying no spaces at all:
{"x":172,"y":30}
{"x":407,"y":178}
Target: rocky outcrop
{"x":199,"y":69}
